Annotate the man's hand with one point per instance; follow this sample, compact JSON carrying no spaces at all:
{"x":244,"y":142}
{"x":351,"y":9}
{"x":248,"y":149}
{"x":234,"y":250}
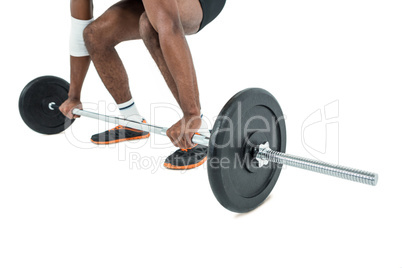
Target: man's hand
{"x":183,"y":131}
{"x":69,"y":105}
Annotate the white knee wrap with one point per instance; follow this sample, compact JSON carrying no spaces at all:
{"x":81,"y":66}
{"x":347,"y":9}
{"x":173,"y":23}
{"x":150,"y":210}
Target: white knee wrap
{"x":77,"y":44}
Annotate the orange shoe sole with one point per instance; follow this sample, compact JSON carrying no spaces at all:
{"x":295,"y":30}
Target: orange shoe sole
{"x":170,"y":166}
{"x":121,"y":140}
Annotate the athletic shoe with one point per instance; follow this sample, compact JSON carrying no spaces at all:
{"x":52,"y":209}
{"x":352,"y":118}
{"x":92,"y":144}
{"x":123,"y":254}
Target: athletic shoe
{"x":119,"y":134}
{"x":187,"y":158}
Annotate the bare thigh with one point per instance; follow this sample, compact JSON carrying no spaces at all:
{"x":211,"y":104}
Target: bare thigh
{"x":119,"y":23}
{"x":190,"y":15}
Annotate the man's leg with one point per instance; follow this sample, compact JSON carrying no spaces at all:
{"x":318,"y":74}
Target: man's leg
{"x":119,"y":23}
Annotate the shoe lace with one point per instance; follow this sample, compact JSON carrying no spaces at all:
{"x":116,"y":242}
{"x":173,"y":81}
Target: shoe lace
{"x":117,"y":128}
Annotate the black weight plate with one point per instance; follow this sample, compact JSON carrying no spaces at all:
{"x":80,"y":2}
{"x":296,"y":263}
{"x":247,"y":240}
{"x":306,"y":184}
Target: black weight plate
{"x":34,"y":104}
{"x":251,"y":117}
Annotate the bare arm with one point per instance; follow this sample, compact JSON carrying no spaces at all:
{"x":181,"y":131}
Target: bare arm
{"x":165,"y":18}
{"x":81,"y":10}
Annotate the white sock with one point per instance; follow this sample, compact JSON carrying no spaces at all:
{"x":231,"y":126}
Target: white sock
{"x":129,"y":111}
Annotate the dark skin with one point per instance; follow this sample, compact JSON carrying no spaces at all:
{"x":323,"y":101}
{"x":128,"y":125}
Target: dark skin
{"x":162,"y":25}
{"x":82,"y":10}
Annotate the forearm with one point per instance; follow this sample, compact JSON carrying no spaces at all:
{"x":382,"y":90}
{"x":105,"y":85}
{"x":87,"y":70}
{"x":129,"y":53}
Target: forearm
{"x":81,"y":9}
{"x":164,"y":16}
{"x":78,"y":70}
{"x":79,"y":65}
{"x":178,"y":58}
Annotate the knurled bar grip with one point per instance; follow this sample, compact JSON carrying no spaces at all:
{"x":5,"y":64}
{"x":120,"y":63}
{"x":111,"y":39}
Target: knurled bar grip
{"x":347,"y":173}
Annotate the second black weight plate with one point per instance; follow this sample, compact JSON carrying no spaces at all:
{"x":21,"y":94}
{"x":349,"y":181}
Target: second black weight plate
{"x":34,"y":104}
{"x":250,"y":118}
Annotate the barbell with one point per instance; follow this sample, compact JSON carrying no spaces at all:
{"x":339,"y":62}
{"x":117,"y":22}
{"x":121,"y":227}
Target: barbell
{"x":246,"y":149}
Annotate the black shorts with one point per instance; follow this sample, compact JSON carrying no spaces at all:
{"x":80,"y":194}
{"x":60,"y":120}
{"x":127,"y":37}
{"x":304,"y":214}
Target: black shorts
{"x":210,"y":10}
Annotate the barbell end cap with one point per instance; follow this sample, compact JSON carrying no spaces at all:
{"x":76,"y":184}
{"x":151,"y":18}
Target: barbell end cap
{"x":375,"y":180}
{"x":52,"y":106}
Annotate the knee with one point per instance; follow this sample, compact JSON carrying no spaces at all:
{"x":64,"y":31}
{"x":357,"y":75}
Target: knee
{"x":94,"y":38}
{"x":90,"y":37}
{"x":166,"y":24}
{"x":147,"y":31}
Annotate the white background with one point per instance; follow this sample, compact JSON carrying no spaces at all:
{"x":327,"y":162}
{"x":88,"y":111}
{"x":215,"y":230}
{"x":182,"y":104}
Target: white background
{"x":67,"y":203}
